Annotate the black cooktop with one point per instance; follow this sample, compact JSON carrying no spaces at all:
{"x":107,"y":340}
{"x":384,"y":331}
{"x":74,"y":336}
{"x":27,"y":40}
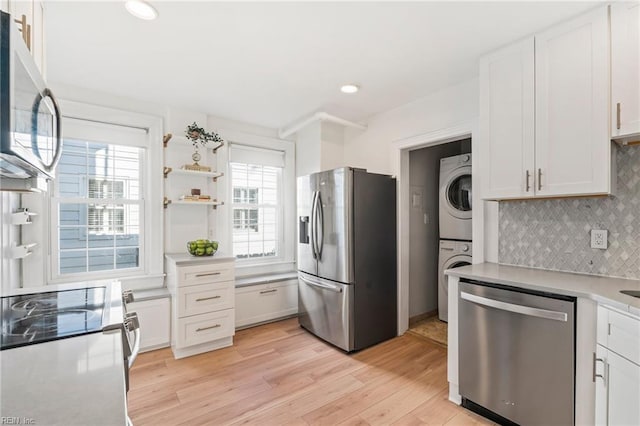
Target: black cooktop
{"x":42,"y":317}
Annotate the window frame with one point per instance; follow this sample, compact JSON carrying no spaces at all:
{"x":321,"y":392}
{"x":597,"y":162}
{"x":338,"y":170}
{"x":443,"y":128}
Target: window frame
{"x":224,"y":222}
{"x":55,"y":201}
{"x":280,"y":207}
{"x":39,"y":268}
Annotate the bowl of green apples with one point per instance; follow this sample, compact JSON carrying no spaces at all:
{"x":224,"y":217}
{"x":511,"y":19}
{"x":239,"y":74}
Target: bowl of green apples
{"x":202,"y":247}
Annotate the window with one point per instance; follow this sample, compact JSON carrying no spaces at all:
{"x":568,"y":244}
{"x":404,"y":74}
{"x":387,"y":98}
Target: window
{"x":98,"y":204}
{"x":257,"y":210}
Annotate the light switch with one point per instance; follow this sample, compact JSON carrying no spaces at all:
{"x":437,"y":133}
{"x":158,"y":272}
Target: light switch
{"x":599,"y":239}
{"x":416,"y":200}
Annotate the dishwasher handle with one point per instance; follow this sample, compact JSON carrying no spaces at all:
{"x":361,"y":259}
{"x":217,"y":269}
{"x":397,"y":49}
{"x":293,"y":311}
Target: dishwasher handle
{"x":518,"y":309}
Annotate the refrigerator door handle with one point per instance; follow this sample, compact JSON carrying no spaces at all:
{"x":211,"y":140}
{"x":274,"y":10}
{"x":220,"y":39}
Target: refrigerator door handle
{"x":312,"y":225}
{"x":329,"y":287}
{"x":518,"y":309}
{"x":320,"y":228}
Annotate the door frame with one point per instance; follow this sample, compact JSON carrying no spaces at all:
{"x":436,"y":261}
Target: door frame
{"x":482,"y":250}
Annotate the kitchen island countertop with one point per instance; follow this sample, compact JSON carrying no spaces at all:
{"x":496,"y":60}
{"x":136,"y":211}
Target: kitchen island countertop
{"x":605,"y":290}
{"x":74,"y":381}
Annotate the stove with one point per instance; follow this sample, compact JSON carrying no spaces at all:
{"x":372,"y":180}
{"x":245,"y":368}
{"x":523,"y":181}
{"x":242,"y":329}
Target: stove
{"x":42,"y":317}
{"x":69,"y":311}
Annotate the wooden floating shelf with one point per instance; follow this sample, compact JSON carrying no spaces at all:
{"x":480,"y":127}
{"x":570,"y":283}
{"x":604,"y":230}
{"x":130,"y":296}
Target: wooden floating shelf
{"x":213,"y":175}
{"x":213,"y":203}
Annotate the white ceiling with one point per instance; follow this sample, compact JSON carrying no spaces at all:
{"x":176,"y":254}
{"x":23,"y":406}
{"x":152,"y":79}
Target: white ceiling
{"x":272,"y":63}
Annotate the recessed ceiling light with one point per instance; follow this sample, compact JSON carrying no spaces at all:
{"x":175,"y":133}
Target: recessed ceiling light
{"x":349,"y":88}
{"x":141,"y":9}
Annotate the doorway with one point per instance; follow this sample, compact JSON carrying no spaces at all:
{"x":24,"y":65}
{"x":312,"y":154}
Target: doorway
{"x":439,"y":221}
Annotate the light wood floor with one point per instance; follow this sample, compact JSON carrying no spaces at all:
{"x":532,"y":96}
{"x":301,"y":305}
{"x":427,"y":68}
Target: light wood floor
{"x":279,"y":374}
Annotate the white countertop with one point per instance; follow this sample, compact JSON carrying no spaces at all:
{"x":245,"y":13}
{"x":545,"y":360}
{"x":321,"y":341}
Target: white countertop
{"x":73,"y":381}
{"x":183,"y":259}
{"x":604,"y":290}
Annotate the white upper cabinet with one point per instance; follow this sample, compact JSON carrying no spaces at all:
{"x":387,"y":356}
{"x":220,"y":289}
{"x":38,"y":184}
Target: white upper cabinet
{"x":544,"y":113}
{"x":625,"y":71}
{"x":507,"y":120}
{"x":573,"y":150}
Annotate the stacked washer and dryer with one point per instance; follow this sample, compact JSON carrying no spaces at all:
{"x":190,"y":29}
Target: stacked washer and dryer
{"x":455,"y":222}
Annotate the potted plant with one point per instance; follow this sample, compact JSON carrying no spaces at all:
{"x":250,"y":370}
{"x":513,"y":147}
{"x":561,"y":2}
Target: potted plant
{"x":200,"y":137}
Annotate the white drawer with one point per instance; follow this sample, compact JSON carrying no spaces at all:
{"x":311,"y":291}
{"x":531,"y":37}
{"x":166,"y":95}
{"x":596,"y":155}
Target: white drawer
{"x":203,"y":274}
{"x":203,"y":298}
{"x":204,"y":328}
{"x":265,"y":302}
{"x":620,"y":333}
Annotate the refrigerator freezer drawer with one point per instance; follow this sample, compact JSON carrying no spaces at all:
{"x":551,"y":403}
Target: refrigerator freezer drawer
{"x":325,"y":309}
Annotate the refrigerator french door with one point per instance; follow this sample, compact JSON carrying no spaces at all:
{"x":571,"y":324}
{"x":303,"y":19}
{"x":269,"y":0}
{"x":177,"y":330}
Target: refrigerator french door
{"x":347,"y":257}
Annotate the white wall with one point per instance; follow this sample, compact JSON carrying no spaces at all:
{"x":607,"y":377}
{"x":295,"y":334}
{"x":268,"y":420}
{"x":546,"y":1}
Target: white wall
{"x":332,"y":146}
{"x":308,"y":143}
{"x":371,"y":149}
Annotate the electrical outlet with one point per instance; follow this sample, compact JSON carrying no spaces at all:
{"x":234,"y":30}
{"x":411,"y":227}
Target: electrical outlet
{"x":599,"y":239}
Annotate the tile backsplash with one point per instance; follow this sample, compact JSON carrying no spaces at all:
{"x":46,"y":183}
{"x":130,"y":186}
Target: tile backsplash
{"x":555,"y":234}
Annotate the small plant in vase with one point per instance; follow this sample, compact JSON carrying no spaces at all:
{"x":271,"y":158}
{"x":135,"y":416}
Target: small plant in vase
{"x":200,"y":137}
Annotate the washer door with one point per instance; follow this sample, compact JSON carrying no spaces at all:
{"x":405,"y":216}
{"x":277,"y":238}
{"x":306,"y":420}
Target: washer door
{"x":456,"y":194}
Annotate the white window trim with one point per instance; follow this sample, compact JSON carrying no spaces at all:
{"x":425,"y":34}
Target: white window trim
{"x":279,"y":224}
{"x":152,"y":216}
{"x":224,"y":224}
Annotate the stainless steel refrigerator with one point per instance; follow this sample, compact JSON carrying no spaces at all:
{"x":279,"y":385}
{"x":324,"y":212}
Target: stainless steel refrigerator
{"x":347,"y":284}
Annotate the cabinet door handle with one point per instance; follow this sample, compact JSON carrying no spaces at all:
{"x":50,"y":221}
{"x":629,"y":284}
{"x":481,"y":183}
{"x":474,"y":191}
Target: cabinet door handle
{"x":273,"y":290}
{"x":201,"y":299}
{"x":208,"y":328}
{"x":207,"y":274}
{"x":606,"y":367}
{"x":539,"y":179}
{"x":528,"y":184}
{"x":618,"y":116}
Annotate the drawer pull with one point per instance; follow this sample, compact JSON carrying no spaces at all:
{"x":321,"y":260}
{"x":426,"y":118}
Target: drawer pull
{"x":207,"y":274}
{"x":273,"y":290}
{"x":202,"y":299}
{"x":208,"y":328}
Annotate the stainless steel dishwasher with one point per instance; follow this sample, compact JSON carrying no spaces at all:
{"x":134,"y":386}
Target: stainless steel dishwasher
{"x":517,"y":354}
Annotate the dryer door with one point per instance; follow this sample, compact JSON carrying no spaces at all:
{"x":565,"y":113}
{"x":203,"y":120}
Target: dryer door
{"x":443,"y":283}
{"x":456,"y":194}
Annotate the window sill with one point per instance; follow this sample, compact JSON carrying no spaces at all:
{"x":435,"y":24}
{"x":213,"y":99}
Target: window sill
{"x":264,"y":268}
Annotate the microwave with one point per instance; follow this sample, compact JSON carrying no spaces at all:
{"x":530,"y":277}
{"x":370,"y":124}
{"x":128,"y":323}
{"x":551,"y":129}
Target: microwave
{"x":30,"y":133}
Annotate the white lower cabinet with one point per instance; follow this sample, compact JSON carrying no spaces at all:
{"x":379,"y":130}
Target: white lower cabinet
{"x":266,"y":302}
{"x":203,"y":314}
{"x":154,"y":317}
{"x":617,"y":377}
